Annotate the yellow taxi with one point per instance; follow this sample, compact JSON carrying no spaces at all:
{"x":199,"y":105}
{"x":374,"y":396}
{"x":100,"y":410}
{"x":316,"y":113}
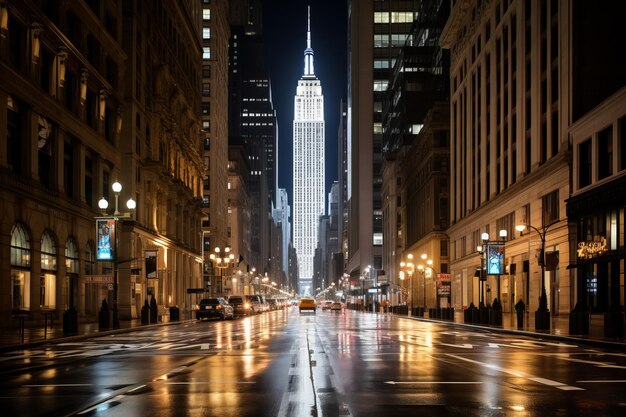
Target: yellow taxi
{"x":307,"y":304}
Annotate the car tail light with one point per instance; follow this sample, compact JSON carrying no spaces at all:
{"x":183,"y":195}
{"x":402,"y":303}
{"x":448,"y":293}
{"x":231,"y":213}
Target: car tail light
{"x":247,"y":305}
{"x":219,"y":307}
{"x":197,"y":307}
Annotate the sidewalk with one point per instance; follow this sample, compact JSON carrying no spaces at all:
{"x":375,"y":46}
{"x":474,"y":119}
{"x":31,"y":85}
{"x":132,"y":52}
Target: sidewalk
{"x":559,"y":328}
{"x":11,"y":339}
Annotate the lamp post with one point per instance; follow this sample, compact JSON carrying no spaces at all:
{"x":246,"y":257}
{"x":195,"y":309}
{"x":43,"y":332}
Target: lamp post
{"x":408,"y":267}
{"x":542,"y":315}
{"x":482,"y":250}
{"x":107,"y":240}
{"x":222,"y":262}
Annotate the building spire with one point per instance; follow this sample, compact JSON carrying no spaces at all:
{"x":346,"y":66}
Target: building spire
{"x":308,"y":52}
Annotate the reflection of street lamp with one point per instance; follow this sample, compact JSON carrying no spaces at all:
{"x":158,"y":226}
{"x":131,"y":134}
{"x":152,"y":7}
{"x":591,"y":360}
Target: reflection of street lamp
{"x":103,"y":204}
{"x":542,"y":315}
{"x":222,"y":262}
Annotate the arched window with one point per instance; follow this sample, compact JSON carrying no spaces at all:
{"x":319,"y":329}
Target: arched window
{"x":20,"y":246}
{"x":89,"y":258}
{"x":48,"y":252}
{"x":20,"y":264}
{"x":71,"y":256}
{"x":47,"y":289}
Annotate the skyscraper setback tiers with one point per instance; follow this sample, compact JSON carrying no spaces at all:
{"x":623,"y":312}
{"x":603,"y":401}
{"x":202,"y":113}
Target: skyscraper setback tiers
{"x":308,"y":165}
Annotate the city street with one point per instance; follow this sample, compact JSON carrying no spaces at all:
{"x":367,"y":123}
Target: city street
{"x":284,"y":363}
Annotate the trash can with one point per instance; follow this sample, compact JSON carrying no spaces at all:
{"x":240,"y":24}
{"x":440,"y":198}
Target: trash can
{"x":519,"y":310}
{"x":70,"y":321}
{"x":174,"y":314}
{"x":104,"y":323}
{"x":154,"y":311}
{"x":145,"y":313}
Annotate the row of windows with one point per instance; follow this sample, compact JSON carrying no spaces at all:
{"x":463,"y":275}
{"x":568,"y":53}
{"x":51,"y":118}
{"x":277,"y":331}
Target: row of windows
{"x":21,"y":253}
{"x":395,"y":40}
{"x":393,"y":17}
{"x":610,"y":151}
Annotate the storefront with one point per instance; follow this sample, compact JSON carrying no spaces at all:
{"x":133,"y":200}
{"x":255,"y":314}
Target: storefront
{"x":598,"y":252}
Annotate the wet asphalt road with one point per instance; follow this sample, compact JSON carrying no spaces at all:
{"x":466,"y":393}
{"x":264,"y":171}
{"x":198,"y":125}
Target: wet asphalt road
{"x":283,"y":363}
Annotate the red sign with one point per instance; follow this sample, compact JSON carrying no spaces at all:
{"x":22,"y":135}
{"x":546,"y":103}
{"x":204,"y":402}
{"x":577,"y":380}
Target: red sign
{"x":99,"y":279}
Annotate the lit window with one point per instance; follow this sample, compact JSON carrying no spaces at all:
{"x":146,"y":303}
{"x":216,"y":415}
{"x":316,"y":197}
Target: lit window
{"x":415,"y":129}
{"x":206,"y":14}
{"x":401,"y":17}
{"x":206,"y":33}
{"x":378,"y":128}
{"x":381,"y":41}
{"x":398,"y":39}
{"x":206,"y":52}
{"x":381,"y":63}
{"x":381,"y":17}
{"x":380,"y":85}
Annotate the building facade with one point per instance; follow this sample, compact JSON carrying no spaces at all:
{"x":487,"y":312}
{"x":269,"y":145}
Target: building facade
{"x":510,"y":150}
{"x":90,"y":96}
{"x":215,"y":34}
{"x":376,"y":33}
{"x":415,"y":162}
{"x":308,"y":164}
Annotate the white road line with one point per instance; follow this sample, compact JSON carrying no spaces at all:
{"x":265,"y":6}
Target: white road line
{"x":209,"y":383}
{"x":432,"y":382}
{"x":520,"y":374}
{"x":55,"y":385}
{"x":136,"y":388}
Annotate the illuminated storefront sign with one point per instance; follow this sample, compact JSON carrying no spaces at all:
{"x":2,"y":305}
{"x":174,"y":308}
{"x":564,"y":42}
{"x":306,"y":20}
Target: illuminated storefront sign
{"x":590,"y":249}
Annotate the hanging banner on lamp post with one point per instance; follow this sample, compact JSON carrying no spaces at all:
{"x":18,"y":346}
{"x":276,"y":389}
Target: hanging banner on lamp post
{"x":105,"y":233}
{"x":495,"y":259}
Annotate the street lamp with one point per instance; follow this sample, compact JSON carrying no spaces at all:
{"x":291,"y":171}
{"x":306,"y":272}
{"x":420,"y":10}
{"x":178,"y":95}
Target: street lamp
{"x":482,"y":250}
{"x":542,"y":315}
{"x":106,"y":228}
{"x":408,"y":267}
{"x":222,"y":262}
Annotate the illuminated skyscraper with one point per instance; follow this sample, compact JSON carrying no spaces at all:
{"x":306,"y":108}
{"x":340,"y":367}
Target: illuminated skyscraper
{"x":308,"y":164}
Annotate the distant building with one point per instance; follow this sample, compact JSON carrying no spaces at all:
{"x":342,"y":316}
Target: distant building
{"x":308,"y":163}
{"x":253,"y":125}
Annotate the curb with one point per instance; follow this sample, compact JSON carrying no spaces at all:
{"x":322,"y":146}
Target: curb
{"x":537,"y":335}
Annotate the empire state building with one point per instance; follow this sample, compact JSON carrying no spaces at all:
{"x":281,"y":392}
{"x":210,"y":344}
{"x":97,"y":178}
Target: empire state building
{"x":308,"y":164}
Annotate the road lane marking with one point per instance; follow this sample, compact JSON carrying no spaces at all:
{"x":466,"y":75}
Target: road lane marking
{"x":464,"y":345}
{"x":519,"y":374}
{"x":55,"y":385}
{"x":432,"y":382}
{"x":136,"y":388}
{"x":208,"y":383}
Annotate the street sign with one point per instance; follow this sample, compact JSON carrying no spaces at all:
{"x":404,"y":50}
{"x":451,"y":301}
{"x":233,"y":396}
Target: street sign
{"x":99,"y":279}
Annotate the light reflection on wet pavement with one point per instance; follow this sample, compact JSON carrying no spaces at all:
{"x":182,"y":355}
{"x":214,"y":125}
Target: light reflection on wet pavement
{"x":284,"y":364}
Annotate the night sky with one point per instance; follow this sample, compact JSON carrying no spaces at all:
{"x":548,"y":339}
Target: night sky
{"x":284,"y":32}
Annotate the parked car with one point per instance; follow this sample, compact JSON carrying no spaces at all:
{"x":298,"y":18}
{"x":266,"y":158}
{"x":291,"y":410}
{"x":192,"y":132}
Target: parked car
{"x":214,"y":308}
{"x":257,"y":303}
{"x":326,"y":304}
{"x":336,"y":306}
{"x":241,"y":307}
{"x":307,"y":304}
